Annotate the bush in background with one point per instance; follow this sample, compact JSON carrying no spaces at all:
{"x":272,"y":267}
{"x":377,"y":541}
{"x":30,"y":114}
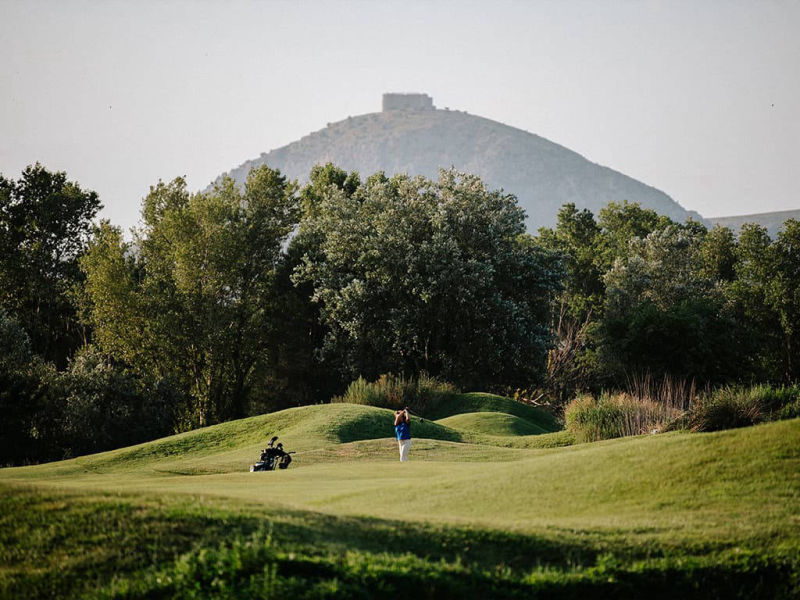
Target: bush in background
{"x":736,"y":406}
{"x":653,"y":407}
{"x":591,"y":419}
{"x":104,"y":407}
{"x":649,"y":405}
{"x":397,"y":391}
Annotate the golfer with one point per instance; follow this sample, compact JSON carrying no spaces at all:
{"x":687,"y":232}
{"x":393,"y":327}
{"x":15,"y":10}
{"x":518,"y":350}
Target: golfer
{"x":402,"y":427}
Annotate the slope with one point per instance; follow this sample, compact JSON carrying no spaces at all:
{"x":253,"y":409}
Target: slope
{"x":730,"y":485}
{"x":491,"y":423}
{"x":459,"y":404}
{"x":670,"y":515}
{"x":542,"y":174}
{"x":773,"y":221}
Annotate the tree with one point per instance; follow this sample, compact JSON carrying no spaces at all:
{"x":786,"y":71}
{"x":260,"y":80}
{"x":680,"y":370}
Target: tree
{"x":414,"y":275}
{"x":192,"y":299}
{"x":623,"y":222}
{"x":749,"y":295}
{"x":296,"y":375}
{"x":784,"y":294}
{"x":577,"y":237}
{"x":24,"y":396}
{"x":663,"y":316}
{"x":104,"y":407}
{"x":718,"y":255}
{"x":45,"y":224}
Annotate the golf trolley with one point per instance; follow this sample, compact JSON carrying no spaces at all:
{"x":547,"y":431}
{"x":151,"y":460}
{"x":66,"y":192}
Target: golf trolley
{"x":272,"y":457}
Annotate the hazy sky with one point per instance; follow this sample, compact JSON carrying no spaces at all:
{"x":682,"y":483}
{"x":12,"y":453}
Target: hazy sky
{"x":700,"y":99}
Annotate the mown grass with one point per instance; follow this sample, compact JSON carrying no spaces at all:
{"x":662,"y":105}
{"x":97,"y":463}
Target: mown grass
{"x":492,"y":423}
{"x":674,"y":515}
{"x":475,"y":402}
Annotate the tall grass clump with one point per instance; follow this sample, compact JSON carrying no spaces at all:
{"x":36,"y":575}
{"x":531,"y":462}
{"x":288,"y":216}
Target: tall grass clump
{"x":608,"y":416}
{"x":738,"y":406}
{"x":398,"y":391}
{"x":647,"y":407}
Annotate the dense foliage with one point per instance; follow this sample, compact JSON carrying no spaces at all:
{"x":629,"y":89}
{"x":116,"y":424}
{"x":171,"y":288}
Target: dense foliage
{"x":646,"y":295}
{"x":237,"y":301}
{"x":192,"y":298}
{"x":414,"y":275}
{"x":45,"y":225}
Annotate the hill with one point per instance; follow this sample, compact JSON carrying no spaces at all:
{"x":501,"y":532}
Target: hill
{"x":411,"y":136}
{"x":670,"y":515}
{"x":772,"y":220}
{"x":491,"y":423}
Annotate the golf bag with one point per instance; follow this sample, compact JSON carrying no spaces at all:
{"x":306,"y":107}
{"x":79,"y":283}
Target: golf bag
{"x":272,"y":457}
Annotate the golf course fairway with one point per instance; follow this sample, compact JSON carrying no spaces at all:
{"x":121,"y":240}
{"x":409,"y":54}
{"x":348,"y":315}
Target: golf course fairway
{"x":479,"y":511}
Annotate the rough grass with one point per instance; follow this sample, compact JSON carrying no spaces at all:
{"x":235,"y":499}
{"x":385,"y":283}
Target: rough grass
{"x":675,"y":515}
{"x":609,"y":416}
{"x":133,"y":546}
{"x":738,"y":406}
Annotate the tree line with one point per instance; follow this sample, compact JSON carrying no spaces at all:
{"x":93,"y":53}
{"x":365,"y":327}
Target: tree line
{"x":242,"y":300}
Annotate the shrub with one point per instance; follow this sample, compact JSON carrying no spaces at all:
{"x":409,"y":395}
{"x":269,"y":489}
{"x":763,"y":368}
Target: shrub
{"x":397,"y":391}
{"x":736,"y":406}
{"x":591,"y":419}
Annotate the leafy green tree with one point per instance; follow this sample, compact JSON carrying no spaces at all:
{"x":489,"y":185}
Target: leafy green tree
{"x":413,"y":275}
{"x":590,"y":249}
{"x":104,"y":407}
{"x":24,"y":396}
{"x":192,"y":298}
{"x":663,"y":315}
{"x":622,"y":222}
{"x":768,"y":290}
{"x":577,"y":237}
{"x":45,"y":224}
{"x":718,"y":255}
{"x":784,"y":295}
{"x":296,"y":375}
{"x":749,"y":295}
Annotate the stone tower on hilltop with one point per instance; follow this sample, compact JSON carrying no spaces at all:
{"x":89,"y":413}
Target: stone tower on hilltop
{"x":407,"y":102}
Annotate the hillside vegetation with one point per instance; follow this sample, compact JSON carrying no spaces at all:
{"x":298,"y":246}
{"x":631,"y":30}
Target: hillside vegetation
{"x":689,"y":512}
{"x":542,"y":174}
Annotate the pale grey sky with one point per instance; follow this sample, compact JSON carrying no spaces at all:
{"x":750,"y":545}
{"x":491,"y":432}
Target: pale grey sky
{"x":700,"y":99}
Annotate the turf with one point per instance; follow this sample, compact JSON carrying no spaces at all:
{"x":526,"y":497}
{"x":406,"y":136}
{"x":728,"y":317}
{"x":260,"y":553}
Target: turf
{"x":492,"y":423}
{"x":682,"y":513}
{"x":477,"y":402}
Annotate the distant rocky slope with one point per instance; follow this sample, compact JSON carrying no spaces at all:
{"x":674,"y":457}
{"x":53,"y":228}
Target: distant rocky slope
{"x":411,"y":136}
{"x":772,"y":220}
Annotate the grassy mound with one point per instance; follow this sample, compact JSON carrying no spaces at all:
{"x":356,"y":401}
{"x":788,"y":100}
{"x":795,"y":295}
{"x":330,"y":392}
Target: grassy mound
{"x":492,"y":423}
{"x":459,"y":404}
{"x":671,"y":515}
{"x":233,"y":446}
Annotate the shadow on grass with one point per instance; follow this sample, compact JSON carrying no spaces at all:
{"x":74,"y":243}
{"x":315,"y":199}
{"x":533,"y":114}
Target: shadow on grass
{"x":57,"y":544}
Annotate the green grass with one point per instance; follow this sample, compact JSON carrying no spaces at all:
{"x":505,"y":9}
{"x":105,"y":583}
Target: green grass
{"x":481,"y":402}
{"x":492,"y":423}
{"x":474,"y":514}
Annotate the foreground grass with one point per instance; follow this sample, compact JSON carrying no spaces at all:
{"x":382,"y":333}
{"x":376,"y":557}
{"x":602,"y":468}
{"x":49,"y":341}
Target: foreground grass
{"x":675,"y":515}
{"x":137,"y":546}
